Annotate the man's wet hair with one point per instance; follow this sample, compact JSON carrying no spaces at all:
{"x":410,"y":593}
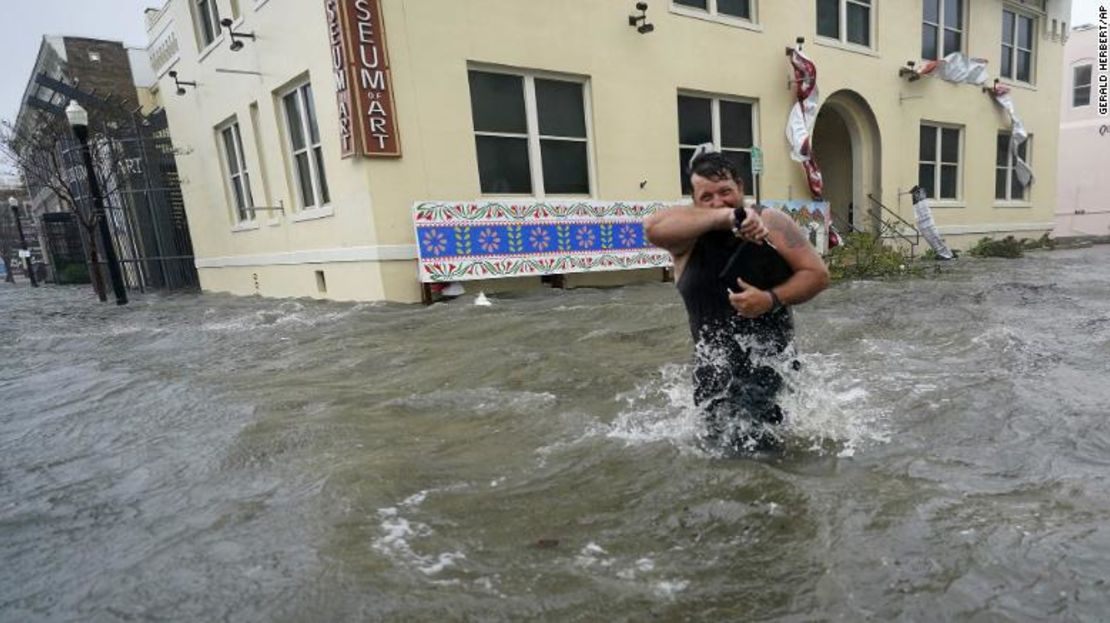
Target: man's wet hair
{"x":715,"y":166}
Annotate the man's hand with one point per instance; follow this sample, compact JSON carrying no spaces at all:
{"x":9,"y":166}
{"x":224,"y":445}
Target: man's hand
{"x":750,"y":302}
{"x":753,"y":229}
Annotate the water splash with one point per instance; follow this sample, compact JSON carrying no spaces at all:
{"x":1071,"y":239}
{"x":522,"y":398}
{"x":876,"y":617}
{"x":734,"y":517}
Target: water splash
{"x":659,"y":409}
{"x":827,"y":409}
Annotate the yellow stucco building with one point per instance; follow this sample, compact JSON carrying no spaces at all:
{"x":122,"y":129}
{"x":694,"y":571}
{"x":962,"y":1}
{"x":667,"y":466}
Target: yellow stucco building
{"x":542,"y":99}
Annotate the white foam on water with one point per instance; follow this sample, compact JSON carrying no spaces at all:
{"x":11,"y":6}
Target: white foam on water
{"x":643,"y":565}
{"x":115,"y":330}
{"x":593,"y":555}
{"x":490,"y":584}
{"x":640,"y":574}
{"x":659,"y":409}
{"x":667,"y":589}
{"x":416,"y":499}
{"x":288,"y":313}
{"x":398,"y":532}
{"x":825,"y":404}
{"x":368,"y":305}
{"x":596,"y":333}
{"x":998,"y":336}
{"x":1021,"y":352}
{"x":445,"y":560}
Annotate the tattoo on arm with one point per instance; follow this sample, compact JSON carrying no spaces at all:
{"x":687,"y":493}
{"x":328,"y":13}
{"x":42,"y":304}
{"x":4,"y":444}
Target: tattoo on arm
{"x":791,"y":233}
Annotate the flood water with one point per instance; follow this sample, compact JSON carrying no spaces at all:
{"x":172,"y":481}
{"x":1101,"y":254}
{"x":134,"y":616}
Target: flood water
{"x":217,"y":458}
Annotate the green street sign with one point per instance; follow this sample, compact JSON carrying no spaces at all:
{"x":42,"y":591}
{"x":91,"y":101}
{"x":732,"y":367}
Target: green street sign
{"x":757,"y":161}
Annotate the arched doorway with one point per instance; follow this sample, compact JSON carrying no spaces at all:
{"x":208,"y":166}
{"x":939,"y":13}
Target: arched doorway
{"x":847,"y":146}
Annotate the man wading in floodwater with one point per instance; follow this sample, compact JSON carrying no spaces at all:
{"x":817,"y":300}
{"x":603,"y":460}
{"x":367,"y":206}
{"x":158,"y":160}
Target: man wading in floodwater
{"x":734,"y":332}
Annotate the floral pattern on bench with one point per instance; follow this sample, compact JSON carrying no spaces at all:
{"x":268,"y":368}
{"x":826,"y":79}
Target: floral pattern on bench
{"x":459,"y":241}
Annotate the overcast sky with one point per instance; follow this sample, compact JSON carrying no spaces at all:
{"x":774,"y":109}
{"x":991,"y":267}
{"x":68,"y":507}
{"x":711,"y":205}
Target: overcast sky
{"x":1084,"y":11}
{"x":27,"y":22}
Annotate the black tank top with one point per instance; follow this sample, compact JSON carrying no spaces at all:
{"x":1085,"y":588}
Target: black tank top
{"x":723,"y":339}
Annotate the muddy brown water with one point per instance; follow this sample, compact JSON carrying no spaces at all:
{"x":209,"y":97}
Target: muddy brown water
{"x":218,"y":458}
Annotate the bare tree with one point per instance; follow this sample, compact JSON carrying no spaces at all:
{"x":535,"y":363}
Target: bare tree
{"x":49,"y":157}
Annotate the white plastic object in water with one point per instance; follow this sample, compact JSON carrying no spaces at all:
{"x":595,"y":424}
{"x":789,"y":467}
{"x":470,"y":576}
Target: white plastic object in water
{"x":927,"y":226}
{"x":454,"y":289}
{"x":482,"y":300}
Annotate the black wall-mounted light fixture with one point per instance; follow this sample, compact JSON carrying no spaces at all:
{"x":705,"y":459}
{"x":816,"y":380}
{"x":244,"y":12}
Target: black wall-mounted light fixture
{"x":634,"y":20}
{"x":909,"y":71}
{"x":236,"y":44}
{"x":181,"y":84}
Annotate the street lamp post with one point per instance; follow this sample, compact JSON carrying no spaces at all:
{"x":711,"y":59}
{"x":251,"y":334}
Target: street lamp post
{"x":23,"y":249}
{"x":79,"y":121}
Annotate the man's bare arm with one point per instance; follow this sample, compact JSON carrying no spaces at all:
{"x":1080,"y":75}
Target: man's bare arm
{"x":676,"y":229}
{"x":811,"y":276}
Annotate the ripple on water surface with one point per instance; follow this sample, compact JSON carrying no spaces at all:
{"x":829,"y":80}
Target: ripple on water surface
{"x":207,"y":457}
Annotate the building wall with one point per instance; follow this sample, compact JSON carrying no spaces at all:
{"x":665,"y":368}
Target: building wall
{"x":101,"y":66}
{"x":292,"y":45}
{"x":92,"y":65}
{"x":1083,"y":206}
{"x":149,"y":99}
{"x":633,"y":82}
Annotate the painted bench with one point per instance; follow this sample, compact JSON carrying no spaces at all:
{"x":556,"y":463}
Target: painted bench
{"x":466,"y":241}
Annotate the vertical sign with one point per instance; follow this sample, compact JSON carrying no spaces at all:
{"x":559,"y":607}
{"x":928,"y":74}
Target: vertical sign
{"x":363,"y":84}
{"x":339,"y":69}
{"x":757,"y":171}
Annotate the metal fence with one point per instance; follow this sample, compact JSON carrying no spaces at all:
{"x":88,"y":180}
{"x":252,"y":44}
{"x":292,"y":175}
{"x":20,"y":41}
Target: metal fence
{"x":144,"y":205}
{"x":65,"y":247}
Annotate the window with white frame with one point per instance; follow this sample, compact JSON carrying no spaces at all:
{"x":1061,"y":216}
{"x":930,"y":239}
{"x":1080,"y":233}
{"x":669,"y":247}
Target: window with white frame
{"x":207,"y":17}
{"x":740,"y":9}
{"x":307,"y":155}
{"x":847,"y":21}
{"x":1007,"y":187}
{"x":1018,"y":37}
{"x":942,"y":29}
{"x":938,"y":169}
{"x":1081,"y":86}
{"x":238,"y":178}
{"x":531,"y":134}
{"x":727,"y":123}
